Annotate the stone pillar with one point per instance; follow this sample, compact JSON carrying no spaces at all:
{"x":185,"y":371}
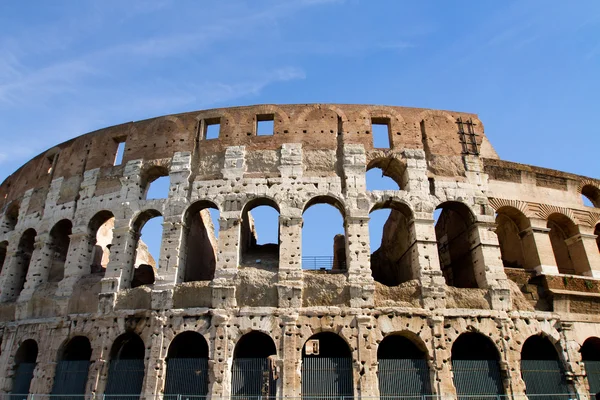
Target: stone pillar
{"x":368,"y":384}
{"x":583,"y":250}
{"x":10,"y":270}
{"x":291,"y":370}
{"x":7,"y":359}
{"x":79,"y":260}
{"x":98,"y":372}
{"x":415,"y":176}
{"x":538,"y":249}
{"x":441,"y":363}
{"x":360,"y":280}
{"x":510,"y":361}
{"x":156,"y":367}
{"x":39,"y":266}
{"x":290,"y":274}
{"x":425,"y":261}
{"x":291,"y":160}
{"x":227,"y":256}
{"x":219,"y":366}
{"x":574,"y":370}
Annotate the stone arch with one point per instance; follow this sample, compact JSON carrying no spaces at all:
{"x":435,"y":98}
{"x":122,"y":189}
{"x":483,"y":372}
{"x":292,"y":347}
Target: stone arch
{"x":187,"y":365}
{"x":73,"y":362}
{"x":390,"y":167}
{"x":126,"y":365}
{"x":25,"y":362}
{"x":250,"y":250}
{"x":591,"y":190}
{"x":3,"y":249}
{"x":100,"y":235}
{"x":511,"y":228}
{"x":303,"y":115}
{"x":151,"y":174}
{"x":476,"y":358}
{"x":10,"y":217}
{"x":453,"y":230}
{"x":139,"y":256}
{"x":25,"y":249}
{"x":58,"y":244}
{"x":542,"y":368}
{"x":319,"y":120}
{"x":327,"y":366}
{"x":154,"y":127}
{"x":562,"y":228}
{"x":590,"y":355}
{"x":326,"y":199}
{"x":253,"y":368}
{"x":597,"y":233}
{"x":391,"y":263}
{"x":198,"y":254}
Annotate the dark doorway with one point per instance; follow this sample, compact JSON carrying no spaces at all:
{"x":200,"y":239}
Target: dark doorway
{"x":25,"y":361}
{"x":542,"y":369}
{"x":253,"y":370}
{"x":590,"y":354}
{"x":72,"y":368}
{"x":126,"y":368}
{"x":187,"y":365}
{"x":403,"y":369}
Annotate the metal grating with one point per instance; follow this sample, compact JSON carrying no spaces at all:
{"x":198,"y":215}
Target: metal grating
{"x":252,"y":377}
{"x":403,"y":377}
{"x":125,"y":379}
{"x":187,"y":376}
{"x":22,"y":378}
{"x":592,"y":368}
{"x":544,"y":377}
{"x":70,"y":378}
{"x":481,"y":378}
{"x":324,"y":377}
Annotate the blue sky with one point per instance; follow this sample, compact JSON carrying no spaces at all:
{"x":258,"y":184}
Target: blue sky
{"x":528,"y":68}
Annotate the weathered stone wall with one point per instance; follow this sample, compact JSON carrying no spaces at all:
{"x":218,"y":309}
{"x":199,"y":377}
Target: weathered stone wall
{"x":425,"y":282}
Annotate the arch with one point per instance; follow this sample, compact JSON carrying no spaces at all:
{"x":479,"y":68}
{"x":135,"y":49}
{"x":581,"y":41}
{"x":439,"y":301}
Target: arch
{"x":143,"y":253}
{"x":10,"y":217}
{"x":72,"y":367}
{"x":187,"y":365}
{"x":3,"y":249}
{"x":155,"y":175}
{"x":253,"y":369}
{"x":200,"y":243}
{"x":511,"y":225}
{"x":23,"y":259}
{"x":563,"y":228}
{"x":100,"y":235}
{"x":475,"y":359}
{"x":25,"y":362}
{"x":590,"y":355}
{"x":452,"y":230}
{"x":390,"y":167}
{"x":250,"y":248}
{"x":323,"y":235}
{"x":391,"y":262}
{"x":403,"y":369}
{"x":327,"y":366}
{"x":541,"y":368}
{"x":59,"y":241}
{"x":592,"y":193}
{"x":597,"y":233}
{"x":126,"y":366}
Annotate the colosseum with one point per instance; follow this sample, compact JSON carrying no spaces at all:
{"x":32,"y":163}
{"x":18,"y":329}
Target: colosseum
{"x":486,"y":283}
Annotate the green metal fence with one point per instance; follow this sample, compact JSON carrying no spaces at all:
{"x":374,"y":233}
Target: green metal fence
{"x":125,"y":379}
{"x":252,"y":378}
{"x":481,"y":378}
{"x":403,"y":377}
{"x":22,"y":378}
{"x":324,"y":377}
{"x":186,"y":376}
{"x":544,"y":378}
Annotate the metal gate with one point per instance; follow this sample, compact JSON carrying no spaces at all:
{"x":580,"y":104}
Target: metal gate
{"x":187,"y":376}
{"x":70,"y":378}
{"x":253,"y":378}
{"x":592,"y":368}
{"x":544,"y":377}
{"x":403,"y":377}
{"x":480,"y":378}
{"x":125,"y":379}
{"x":22,"y":378}
{"x":324,"y":377}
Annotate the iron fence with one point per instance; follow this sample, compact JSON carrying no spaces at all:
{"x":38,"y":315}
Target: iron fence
{"x":322,"y":263}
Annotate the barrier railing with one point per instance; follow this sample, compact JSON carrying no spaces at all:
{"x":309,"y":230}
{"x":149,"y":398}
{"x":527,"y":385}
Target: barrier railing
{"x":322,"y":263}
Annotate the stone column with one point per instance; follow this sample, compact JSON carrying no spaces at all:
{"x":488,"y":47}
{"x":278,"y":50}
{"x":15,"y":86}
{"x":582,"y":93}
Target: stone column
{"x":572,"y":359}
{"x":219,"y":366}
{"x":360,"y":280}
{"x":290,"y":274}
{"x":156,"y":367}
{"x":9,"y":273}
{"x":510,"y":361}
{"x":584,"y":253}
{"x":39,"y":266}
{"x":227,"y":257}
{"x":98,"y":372}
{"x":538,"y":248}
{"x":290,"y":372}
{"x":368,"y":384}
{"x":7,"y":359}
{"x":79,"y":260}
{"x":441,"y":363}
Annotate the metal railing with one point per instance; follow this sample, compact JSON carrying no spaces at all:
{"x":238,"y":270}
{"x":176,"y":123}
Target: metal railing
{"x":322,"y":263}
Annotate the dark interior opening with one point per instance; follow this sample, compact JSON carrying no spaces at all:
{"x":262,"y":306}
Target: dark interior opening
{"x":474,"y":346}
{"x":188,"y":345}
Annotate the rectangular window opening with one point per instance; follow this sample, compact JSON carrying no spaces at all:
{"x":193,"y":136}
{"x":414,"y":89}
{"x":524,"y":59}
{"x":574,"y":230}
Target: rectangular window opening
{"x":381,"y":133}
{"x":212,"y":128}
{"x":120,"y":152}
{"x":265,"y":125}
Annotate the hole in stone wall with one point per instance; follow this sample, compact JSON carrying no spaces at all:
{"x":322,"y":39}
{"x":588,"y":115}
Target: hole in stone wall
{"x":597,"y":233}
{"x":323,"y":237}
{"x":385,"y":174}
{"x":187,"y":366}
{"x":3,"y":248}
{"x":399,"y":347}
{"x":120,"y":151}
{"x":590,"y":195}
{"x":11,"y":216}
{"x":101,"y":235}
{"x":253,"y":369}
{"x":23,"y":256}
{"x":25,"y":360}
{"x":590,"y":351}
{"x":260,"y":234}
{"x":454,"y":248}
{"x":59,"y":247}
{"x":381,"y":133}
{"x":159,"y":188}
{"x":212,"y":128}
{"x":265,"y":124}
{"x":561,"y":229}
{"x":149,"y":244}
{"x":76,"y":349}
{"x":200,"y":242}
{"x":254,"y":344}
{"x":541,"y":368}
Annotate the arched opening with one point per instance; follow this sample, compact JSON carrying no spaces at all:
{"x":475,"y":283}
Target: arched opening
{"x":59,"y":248}
{"x":148,"y":230}
{"x":323,"y":235}
{"x":391,"y":261}
{"x":590,"y":354}
{"x":72,"y":368}
{"x":3,"y":248}
{"x":253,"y":370}
{"x":590,"y":196}
{"x":25,"y":361}
{"x":327,"y":367}
{"x":156,"y":183}
{"x":562,"y":229}
{"x":385,"y":174}
{"x":403,"y":369}
{"x":454,"y":247}
{"x":597,"y":233}
{"x":100,"y":230}
{"x":10,"y":219}
{"x":510,"y":224}
{"x":199,"y":248}
{"x":126,"y":367}
{"x":541,"y":367}
{"x":259,"y":237}
{"x":187,"y":365}
{"x":475,"y":366}
{"x":23,"y":259}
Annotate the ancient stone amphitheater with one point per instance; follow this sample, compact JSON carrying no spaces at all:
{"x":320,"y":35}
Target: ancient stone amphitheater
{"x":499,"y":297}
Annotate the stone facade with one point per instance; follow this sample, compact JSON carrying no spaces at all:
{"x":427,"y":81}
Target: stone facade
{"x":514,"y":252}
